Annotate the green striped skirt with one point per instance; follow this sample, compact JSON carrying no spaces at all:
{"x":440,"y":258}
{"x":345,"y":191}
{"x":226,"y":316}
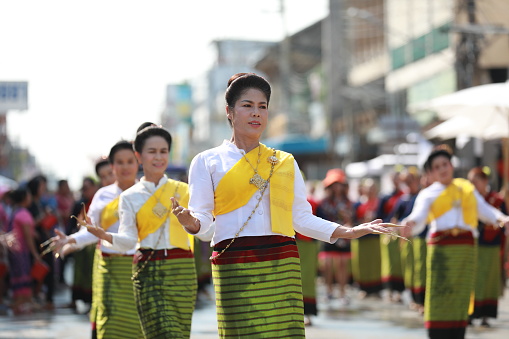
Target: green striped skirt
{"x":82,"y":283}
{"x":113,"y":308}
{"x":450,"y":284}
{"x":258,"y":288}
{"x":366,"y":263}
{"x":308,"y":253}
{"x":407,"y":263}
{"x":419,"y":273}
{"x":488,"y":283}
{"x":165,"y":292}
{"x":391,"y":270}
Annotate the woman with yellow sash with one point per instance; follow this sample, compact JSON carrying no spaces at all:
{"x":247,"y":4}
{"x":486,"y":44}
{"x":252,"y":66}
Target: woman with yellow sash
{"x":113,"y":313}
{"x":452,"y":207}
{"x":257,"y":197}
{"x":164,"y":274}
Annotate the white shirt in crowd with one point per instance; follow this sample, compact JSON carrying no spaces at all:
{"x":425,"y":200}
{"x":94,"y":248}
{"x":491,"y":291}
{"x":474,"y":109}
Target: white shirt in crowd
{"x":450,"y":219}
{"x":102,"y":198}
{"x":131,"y":201}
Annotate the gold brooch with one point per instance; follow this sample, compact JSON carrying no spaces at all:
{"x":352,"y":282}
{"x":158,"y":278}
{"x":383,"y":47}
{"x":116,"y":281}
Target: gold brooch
{"x":159,"y":210}
{"x":273,"y":160}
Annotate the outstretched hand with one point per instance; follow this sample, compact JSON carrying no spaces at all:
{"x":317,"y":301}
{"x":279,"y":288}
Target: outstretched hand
{"x":373,"y":227}
{"x":58,"y":241}
{"x":184,"y":216}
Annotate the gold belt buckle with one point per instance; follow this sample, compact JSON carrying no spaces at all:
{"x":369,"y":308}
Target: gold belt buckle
{"x":455,"y":231}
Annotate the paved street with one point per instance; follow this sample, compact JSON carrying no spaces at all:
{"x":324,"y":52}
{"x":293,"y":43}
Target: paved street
{"x":366,"y":319}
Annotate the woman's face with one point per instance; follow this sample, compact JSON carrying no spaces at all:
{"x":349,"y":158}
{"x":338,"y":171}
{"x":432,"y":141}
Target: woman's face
{"x":106,"y":175}
{"x":481,"y":185}
{"x":250,"y":114}
{"x":125,"y":165}
{"x":442,"y":170}
{"x":154,"y":155}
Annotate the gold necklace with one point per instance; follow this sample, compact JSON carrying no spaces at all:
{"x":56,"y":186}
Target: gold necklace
{"x":256,"y":179}
{"x":273,"y":160}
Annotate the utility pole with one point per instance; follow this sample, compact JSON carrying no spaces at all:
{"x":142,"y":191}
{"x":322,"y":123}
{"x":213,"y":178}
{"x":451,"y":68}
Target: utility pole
{"x":285,"y":68}
{"x":468,"y":49}
{"x":334,"y":64}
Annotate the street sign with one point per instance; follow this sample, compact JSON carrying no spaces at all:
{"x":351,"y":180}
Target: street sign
{"x":13,"y":95}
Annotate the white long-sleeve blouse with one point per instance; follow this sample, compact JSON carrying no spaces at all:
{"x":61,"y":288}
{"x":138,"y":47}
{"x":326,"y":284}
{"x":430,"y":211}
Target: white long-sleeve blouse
{"x":450,"y":219}
{"x":205,"y":172}
{"x":101,"y":198}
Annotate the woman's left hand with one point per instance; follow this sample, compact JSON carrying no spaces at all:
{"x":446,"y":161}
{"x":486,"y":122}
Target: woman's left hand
{"x":373,"y":227}
{"x":184,"y":216}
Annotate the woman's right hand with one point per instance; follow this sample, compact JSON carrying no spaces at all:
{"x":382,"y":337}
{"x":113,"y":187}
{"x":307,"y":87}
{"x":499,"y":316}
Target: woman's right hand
{"x":59,"y":241}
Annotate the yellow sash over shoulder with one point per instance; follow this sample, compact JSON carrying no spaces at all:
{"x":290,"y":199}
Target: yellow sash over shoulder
{"x":459,"y":193}
{"x":109,"y":214}
{"x":148,"y":222}
{"x":234,"y":189}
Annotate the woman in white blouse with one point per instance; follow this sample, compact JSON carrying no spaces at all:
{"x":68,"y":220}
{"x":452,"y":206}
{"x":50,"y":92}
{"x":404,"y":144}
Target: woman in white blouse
{"x":452,"y":207}
{"x":113,"y":312}
{"x":164,"y":274}
{"x":257,"y":198}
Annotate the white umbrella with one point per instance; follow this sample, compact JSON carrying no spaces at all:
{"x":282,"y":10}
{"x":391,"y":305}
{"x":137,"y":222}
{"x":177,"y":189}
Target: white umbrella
{"x":492,"y":127}
{"x":478,"y":102}
{"x":479,"y":111}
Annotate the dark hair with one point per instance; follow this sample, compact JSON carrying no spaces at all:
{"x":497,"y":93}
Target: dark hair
{"x":34,"y":184}
{"x":438,"y":151}
{"x":241,"y":82}
{"x":478,"y":172}
{"x":18,"y":195}
{"x":62,"y":182}
{"x":148,"y":132}
{"x":102,"y":161}
{"x":120,"y":145}
{"x":90,"y":180}
{"x":144,"y":125}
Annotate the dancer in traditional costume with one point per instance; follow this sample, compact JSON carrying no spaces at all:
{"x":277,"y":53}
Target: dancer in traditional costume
{"x":453,"y":207}
{"x":366,"y":254}
{"x":413,"y":254}
{"x":164,"y":273}
{"x":113,"y":313}
{"x":257,"y":197}
{"x":390,"y":249}
{"x":488,"y":284}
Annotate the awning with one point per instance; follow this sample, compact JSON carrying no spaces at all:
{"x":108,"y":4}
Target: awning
{"x":298,"y":144}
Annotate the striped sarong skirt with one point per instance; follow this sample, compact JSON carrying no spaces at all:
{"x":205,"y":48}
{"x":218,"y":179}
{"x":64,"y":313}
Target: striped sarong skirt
{"x":391,"y":266}
{"x":451,"y":264}
{"x":419,"y":272}
{"x":257,"y":282}
{"x":488,"y":284}
{"x":366,"y":263}
{"x":165,"y":292}
{"x":308,"y":252}
{"x":113,"y":308}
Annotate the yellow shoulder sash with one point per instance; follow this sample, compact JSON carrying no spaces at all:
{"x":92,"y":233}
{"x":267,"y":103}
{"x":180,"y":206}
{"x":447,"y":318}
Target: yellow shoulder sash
{"x":234,"y":189}
{"x":109,"y":214}
{"x":148,"y":222}
{"x":459,"y":193}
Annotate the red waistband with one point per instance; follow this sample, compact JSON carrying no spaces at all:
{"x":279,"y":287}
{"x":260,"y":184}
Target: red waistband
{"x":448,"y":238}
{"x":112,"y":255}
{"x":174,"y":253}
